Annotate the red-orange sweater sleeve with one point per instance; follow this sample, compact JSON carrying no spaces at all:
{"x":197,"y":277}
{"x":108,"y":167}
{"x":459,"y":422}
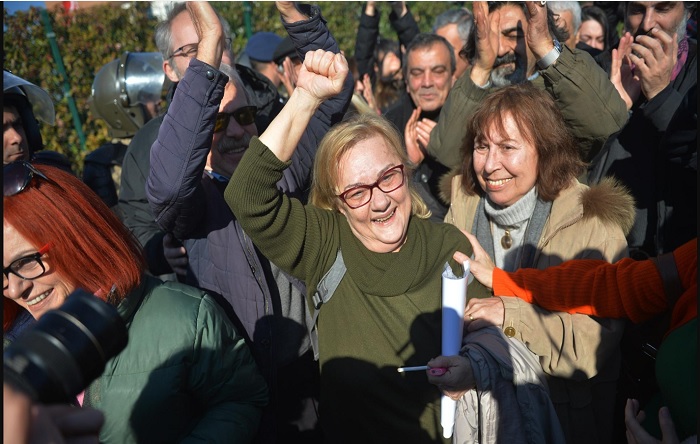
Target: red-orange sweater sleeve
{"x":627,"y":289}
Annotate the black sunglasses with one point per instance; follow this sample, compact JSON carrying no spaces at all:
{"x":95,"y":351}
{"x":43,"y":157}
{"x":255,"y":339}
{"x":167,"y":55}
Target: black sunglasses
{"x":244,"y":116}
{"x":17,"y":175}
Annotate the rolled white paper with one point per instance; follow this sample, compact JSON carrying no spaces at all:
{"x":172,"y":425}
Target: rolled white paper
{"x":454,"y":301}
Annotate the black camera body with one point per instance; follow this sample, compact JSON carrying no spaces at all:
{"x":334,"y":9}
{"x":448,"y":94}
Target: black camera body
{"x":59,"y":356}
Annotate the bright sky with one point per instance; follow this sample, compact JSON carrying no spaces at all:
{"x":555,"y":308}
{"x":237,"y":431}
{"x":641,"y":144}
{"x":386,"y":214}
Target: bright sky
{"x":13,"y":6}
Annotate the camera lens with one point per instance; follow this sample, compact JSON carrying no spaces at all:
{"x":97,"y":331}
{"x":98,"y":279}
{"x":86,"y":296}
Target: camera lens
{"x":66,"y":349}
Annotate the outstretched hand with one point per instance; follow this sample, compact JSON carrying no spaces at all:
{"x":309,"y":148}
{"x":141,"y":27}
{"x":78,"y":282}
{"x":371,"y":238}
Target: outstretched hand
{"x":209,"y":30}
{"x":636,"y":433}
{"x":481,"y":313}
{"x":481,"y":266}
{"x":322,"y":74}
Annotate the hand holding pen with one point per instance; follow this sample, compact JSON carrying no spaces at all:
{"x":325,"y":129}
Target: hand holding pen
{"x":435,"y":371}
{"x":454,"y":377}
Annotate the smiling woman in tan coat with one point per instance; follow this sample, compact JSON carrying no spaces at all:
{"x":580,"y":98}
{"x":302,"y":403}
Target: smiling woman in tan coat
{"x":518,"y":193}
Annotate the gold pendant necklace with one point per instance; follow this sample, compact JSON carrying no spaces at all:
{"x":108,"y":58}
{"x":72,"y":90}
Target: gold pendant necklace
{"x":507,"y":240}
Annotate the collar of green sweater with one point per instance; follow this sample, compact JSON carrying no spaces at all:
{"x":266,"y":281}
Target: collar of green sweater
{"x":428,"y":246}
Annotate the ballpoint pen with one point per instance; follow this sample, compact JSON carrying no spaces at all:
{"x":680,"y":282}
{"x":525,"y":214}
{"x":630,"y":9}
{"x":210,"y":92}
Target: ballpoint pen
{"x":435,"y":371}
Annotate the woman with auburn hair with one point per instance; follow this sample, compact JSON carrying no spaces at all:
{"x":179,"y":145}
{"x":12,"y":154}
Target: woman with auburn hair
{"x":518,"y":193}
{"x":185,"y":371}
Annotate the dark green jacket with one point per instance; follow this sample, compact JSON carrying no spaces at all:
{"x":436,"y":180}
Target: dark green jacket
{"x":186,"y":375}
{"x":589,"y":103}
{"x":385,"y":313}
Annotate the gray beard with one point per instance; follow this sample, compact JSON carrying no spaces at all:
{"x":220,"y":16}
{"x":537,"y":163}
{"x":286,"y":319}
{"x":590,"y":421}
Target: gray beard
{"x":501,"y":77}
{"x":230,"y":145}
{"x":681,"y":30}
{"x":176,"y":70}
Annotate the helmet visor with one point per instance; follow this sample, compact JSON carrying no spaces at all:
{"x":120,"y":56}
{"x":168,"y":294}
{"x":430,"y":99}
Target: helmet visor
{"x":144,"y":77}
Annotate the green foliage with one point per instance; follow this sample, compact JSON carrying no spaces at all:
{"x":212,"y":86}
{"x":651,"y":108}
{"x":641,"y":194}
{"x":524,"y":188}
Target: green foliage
{"x":86,"y":43}
{"x":342,"y":17}
{"x":90,"y":38}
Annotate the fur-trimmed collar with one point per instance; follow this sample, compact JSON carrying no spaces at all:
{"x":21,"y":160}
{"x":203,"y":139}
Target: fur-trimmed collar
{"x":445,"y":185}
{"x":609,"y":200}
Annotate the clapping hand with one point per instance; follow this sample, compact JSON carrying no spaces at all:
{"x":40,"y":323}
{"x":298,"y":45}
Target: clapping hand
{"x":538,"y":38}
{"x":288,"y":75}
{"x":621,"y":75}
{"x":210,"y":32}
{"x":654,"y":56}
{"x":487,"y":29}
{"x":417,"y":135}
{"x":364,"y":87}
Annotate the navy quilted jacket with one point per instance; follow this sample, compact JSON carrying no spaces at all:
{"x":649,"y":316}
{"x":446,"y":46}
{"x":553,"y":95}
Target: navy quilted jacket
{"x":190,"y":204}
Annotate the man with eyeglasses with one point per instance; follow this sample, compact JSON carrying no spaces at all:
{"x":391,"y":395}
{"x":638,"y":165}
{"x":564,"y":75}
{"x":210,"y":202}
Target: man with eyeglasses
{"x":187,"y":200}
{"x":518,"y":42}
{"x":176,"y":40}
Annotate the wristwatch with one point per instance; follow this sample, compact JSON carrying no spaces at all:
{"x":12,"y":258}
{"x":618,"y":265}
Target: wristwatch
{"x":551,"y":57}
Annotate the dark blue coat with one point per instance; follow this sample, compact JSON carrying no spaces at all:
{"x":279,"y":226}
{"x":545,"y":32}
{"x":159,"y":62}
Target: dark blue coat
{"x":189,"y":203}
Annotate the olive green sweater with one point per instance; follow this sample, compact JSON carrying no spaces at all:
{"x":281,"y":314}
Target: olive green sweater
{"x":385,"y":313}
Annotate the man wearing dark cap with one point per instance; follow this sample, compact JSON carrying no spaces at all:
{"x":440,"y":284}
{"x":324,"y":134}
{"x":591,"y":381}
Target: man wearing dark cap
{"x":288,"y":64}
{"x":260,"y":50}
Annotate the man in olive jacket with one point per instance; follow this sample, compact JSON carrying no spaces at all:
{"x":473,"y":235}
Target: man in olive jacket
{"x":529,"y":50}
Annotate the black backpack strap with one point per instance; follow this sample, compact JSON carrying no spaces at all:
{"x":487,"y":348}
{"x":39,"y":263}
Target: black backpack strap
{"x":324,"y":292}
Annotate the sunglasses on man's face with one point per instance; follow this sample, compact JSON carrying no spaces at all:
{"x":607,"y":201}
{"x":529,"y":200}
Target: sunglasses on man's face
{"x":244,"y":116}
{"x":17,"y":175}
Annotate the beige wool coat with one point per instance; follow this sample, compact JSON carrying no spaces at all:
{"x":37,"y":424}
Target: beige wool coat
{"x":579,"y":353}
